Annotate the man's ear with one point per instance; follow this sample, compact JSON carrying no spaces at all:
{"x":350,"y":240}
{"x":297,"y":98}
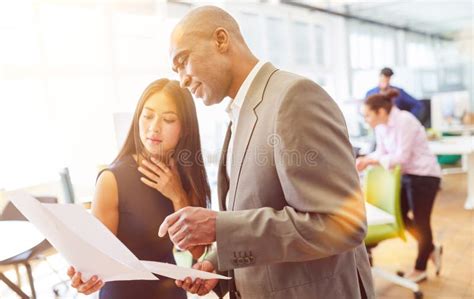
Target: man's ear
{"x":221,"y":38}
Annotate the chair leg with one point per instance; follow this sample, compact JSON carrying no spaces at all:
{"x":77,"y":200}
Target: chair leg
{"x":18,"y":276}
{"x":30,"y":278}
{"x":12,"y":286}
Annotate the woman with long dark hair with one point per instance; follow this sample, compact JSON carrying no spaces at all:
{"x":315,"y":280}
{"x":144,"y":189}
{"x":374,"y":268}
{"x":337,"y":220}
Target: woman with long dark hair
{"x":158,"y":171}
{"x":401,"y":140}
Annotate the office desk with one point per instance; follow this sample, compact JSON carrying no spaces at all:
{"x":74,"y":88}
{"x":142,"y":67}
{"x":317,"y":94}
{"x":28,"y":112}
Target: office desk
{"x":17,"y":237}
{"x":465,"y":130}
{"x":459,"y":145}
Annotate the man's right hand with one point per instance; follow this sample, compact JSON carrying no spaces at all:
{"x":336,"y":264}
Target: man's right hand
{"x":91,"y":286}
{"x":199,"y":286}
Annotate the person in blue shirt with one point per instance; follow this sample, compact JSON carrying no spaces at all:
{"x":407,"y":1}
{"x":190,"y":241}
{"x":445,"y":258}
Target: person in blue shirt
{"x":403,"y":101}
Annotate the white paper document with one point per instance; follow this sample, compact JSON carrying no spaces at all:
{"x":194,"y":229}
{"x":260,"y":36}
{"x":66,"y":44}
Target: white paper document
{"x":90,"y":247}
{"x":176,"y":272}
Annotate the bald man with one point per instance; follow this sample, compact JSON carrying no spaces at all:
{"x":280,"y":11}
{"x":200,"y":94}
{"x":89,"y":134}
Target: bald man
{"x":292,"y":221}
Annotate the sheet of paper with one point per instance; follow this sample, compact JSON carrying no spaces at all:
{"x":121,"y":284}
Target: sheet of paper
{"x":176,"y":272}
{"x":83,"y":240}
{"x":92,"y":231}
{"x":90,"y":247}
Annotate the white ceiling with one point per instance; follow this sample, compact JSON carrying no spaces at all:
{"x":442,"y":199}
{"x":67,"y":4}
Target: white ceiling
{"x":447,"y":17}
{"x":443,"y":17}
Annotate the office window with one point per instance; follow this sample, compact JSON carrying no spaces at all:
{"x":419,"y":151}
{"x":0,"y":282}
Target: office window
{"x":371,"y":46}
{"x":429,"y":81}
{"x":141,"y":41}
{"x":72,"y":36}
{"x":362,"y":81}
{"x":19,"y":46}
{"x":300,"y":36}
{"x":451,"y":77}
{"x":82,"y":119}
{"x":277,"y":44}
{"x":384,"y":50}
{"x":130,"y":87}
{"x":420,"y":52}
{"x":318,"y":32}
{"x":72,"y":66}
{"x":27,"y":133}
{"x":251,"y":30}
{"x":19,"y":42}
{"x":361,"y":50}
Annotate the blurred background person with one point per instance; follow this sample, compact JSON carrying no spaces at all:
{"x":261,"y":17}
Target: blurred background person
{"x":401,"y":140}
{"x":402,"y":99}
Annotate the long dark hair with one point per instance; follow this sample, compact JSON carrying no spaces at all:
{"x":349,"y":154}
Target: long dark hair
{"x":187,"y":154}
{"x":382,"y":100}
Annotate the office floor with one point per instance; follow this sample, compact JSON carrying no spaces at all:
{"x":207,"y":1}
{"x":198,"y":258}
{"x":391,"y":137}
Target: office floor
{"x":453,"y":227}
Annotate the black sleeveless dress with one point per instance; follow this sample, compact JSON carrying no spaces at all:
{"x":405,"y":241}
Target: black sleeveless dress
{"x":141,"y":211}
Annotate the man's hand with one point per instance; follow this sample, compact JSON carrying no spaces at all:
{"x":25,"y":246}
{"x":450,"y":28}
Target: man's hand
{"x":199,"y":286}
{"x":190,"y":226}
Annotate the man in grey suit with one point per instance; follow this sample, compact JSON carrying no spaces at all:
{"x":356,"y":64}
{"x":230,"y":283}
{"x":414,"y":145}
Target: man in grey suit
{"x":292,"y":220}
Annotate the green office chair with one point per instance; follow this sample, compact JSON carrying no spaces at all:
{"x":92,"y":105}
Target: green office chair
{"x":382,"y":189}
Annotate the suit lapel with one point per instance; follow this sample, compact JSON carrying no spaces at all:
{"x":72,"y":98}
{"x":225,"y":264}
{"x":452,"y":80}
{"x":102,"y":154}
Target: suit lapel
{"x":246,"y":125}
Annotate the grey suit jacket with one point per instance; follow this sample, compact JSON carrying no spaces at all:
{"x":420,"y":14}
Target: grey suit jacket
{"x":296,"y":223}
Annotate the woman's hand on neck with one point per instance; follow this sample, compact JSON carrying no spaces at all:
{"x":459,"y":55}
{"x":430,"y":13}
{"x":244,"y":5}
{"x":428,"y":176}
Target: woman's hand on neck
{"x":147,"y":156}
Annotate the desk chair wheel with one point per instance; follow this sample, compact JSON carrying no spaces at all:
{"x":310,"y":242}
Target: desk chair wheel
{"x":418,"y":295}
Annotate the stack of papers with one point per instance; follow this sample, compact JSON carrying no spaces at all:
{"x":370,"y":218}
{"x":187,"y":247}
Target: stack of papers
{"x":90,"y":247}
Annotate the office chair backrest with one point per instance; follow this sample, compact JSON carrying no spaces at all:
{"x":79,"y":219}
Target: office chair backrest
{"x":382,"y":189}
{"x":66,"y":184}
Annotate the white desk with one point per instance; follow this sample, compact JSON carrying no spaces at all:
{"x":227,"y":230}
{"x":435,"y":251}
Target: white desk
{"x":16,"y":238}
{"x":376,"y":216}
{"x":459,"y":145}
{"x":457,"y":129}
